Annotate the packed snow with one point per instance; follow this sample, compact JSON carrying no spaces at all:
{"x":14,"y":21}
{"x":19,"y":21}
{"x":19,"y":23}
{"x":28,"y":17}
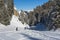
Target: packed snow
{"x":9,"y":32}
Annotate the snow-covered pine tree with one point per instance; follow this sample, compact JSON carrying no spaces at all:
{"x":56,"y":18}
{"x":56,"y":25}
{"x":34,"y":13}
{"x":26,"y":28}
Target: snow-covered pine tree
{"x":6,"y":11}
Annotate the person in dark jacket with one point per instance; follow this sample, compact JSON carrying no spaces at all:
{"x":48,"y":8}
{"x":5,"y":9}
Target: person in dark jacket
{"x":16,"y":28}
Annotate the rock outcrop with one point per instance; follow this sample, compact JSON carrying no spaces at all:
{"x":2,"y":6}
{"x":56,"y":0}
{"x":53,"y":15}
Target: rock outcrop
{"x":16,"y":13}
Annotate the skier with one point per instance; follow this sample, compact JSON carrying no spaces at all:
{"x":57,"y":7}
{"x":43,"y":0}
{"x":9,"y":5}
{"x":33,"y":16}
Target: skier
{"x":16,"y":28}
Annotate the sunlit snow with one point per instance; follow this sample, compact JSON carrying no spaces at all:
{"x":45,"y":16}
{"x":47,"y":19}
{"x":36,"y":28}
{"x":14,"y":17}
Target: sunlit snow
{"x":9,"y":32}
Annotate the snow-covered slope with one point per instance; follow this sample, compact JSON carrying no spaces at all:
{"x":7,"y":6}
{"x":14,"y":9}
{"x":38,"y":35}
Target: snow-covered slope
{"x":9,"y":32}
{"x":13,"y":24}
{"x":29,"y":35}
{"x":18,"y":23}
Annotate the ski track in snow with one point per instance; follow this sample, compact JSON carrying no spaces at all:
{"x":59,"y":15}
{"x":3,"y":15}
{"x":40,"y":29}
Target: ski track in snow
{"x":27,"y":34}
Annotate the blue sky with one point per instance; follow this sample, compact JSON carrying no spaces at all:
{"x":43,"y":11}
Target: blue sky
{"x":28,"y":4}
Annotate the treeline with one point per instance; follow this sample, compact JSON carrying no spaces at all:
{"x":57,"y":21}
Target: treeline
{"x":48,"y":14}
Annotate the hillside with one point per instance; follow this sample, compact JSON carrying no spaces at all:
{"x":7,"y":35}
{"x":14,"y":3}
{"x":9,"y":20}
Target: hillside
{"x":47,"y":14}
{"x":9,"y":32}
